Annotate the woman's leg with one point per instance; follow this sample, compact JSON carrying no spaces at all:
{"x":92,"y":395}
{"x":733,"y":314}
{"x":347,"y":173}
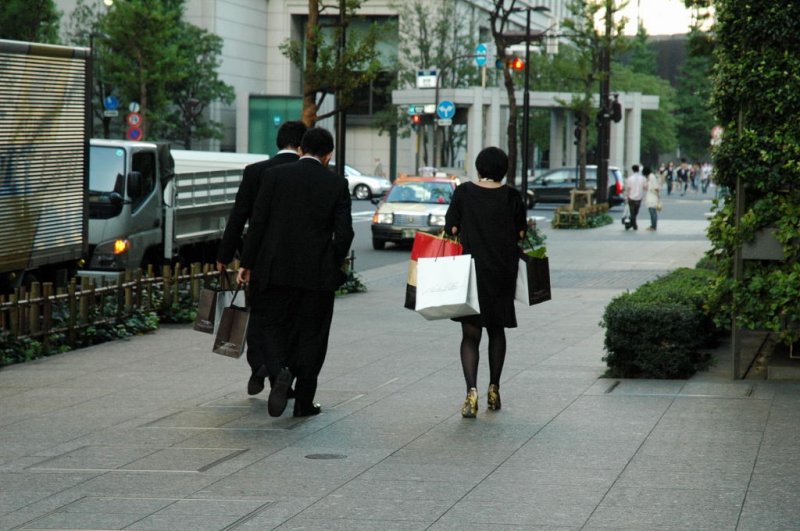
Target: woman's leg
{"x":497,"y":354}
{"x":470,"y":341}
{"x":653,"y":218}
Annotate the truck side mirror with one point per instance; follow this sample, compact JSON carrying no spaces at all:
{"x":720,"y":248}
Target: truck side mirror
{"x":135,"y":184}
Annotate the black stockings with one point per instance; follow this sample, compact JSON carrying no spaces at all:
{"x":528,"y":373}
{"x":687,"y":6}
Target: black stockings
{"x":470,"y":341}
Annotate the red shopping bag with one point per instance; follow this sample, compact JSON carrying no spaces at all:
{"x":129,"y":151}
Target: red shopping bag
{"x":426,"y":246}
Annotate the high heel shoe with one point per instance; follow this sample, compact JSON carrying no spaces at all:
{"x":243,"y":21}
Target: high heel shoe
{"x":470,"y":407}
{"x":493,"y":397}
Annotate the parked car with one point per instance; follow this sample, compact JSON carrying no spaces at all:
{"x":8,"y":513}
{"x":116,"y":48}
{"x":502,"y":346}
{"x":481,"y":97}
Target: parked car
{"x":363,"y":186}
{"x":554,"y":186}
{"x":413,"y":204}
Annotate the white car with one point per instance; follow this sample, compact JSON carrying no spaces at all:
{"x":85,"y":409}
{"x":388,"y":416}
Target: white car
{"x":363,"y":186}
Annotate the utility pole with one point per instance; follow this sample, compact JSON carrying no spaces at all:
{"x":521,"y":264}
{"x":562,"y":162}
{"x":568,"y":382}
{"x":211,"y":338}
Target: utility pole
{"x":340,"y":118}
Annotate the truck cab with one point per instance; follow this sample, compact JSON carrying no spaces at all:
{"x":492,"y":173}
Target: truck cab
{"x":126,"y":210}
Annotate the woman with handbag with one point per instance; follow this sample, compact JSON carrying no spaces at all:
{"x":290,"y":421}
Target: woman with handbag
{"x":652,"y":196}
{"x":490,"y":219}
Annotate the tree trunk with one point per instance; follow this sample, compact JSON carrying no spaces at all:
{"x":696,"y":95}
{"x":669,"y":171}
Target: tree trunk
{"x":310,"y":91}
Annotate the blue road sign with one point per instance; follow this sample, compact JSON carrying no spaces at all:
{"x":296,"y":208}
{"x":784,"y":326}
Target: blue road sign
{"x":481,"y":52}
{"x":111,"y":103}
{"x":446,"y":109}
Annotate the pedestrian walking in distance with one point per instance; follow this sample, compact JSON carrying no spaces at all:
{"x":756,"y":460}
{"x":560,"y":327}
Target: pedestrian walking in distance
{"x":634,"y":193}
{"x":293,"y":259}
{"x":489,"y":218}
{"x":652,"y":196}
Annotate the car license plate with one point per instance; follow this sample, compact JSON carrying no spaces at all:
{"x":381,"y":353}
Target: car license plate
{"x":409,"y":234}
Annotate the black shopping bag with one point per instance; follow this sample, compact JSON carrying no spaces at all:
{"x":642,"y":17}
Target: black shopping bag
{"x":533,"y":280}
{"x":232,"y":330}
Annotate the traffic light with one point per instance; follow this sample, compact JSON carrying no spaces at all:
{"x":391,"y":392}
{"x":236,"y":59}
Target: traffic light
{"x":515,"y":63}
{"x":416,"y":119}
{"x":616,"y":109}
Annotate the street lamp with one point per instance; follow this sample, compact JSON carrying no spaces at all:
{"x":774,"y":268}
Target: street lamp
{"x":526,"y":105}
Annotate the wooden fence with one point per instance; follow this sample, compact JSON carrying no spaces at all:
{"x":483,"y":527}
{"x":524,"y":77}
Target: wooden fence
{"x":40,"y":312}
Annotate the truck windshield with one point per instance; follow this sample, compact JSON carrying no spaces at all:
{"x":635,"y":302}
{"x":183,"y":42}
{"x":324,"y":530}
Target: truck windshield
{"x":107,"y":170}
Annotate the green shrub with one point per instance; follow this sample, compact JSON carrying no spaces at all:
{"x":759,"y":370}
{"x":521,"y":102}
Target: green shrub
{"x":658,"y":330}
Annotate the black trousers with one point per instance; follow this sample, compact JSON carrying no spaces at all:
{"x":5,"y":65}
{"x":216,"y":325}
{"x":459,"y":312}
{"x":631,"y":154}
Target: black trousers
{"x":289,"y":327}
{"x":634,"y":206}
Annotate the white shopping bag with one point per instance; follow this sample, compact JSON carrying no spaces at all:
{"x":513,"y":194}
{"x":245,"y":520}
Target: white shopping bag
{"x":447,"y":287}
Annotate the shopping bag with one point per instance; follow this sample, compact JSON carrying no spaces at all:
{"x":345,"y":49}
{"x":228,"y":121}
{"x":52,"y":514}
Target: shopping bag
{"x":426,"y":246}
{"x":447,"y":287}
{"x":533,"y":280}
{"x":228,"y":298}
{"x":231,"y":333}
{"x":209,"y":306}
{"x":626,"y":216}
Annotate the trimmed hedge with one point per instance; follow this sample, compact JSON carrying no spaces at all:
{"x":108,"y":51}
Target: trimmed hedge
{"x":658,"y":330}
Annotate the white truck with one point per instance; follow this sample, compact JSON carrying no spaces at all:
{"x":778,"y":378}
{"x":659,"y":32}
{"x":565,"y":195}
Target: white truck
{"x":148,"y":204}
{"x":101,"y":206}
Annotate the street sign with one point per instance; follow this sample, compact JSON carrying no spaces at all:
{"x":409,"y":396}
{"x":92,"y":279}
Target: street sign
{"x":429,"y":108}
{"x":444,"y":122}
{"x":427,"y":78}
{"x":481,"y":52}
{"x":133,"y":107}
{"x":110,"y":114}
{"x":111,"y":103}
{"x":134,"y":133}
{"x":446,"y":109}
{"x":134,"y":119}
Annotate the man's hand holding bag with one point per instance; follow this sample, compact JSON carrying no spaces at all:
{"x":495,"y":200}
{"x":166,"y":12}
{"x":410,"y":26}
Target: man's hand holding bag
{"x":231,"y":334}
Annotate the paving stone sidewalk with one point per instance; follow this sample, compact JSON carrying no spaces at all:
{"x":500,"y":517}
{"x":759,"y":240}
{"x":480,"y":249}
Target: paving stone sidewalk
{"x":158,"y":433}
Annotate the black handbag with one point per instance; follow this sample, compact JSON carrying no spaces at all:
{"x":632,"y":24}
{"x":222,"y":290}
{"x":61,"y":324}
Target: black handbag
{"x":537,"y":275}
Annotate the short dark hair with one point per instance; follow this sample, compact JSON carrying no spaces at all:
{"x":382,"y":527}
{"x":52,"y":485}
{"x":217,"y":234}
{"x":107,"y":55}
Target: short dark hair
{"x":492,"y":163}
{"x":646,"y":171}
{"x":635,"y":168}
{"x":317,"y":141}
{"x":290,"y":134}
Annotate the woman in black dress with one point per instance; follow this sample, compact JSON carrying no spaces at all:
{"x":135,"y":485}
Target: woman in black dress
{"x":489,"y":217}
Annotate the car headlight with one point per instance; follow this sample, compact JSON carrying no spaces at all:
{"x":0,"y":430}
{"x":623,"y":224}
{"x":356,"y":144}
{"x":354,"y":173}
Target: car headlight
{"x":385,"y":218}
{"x":436,"y":219}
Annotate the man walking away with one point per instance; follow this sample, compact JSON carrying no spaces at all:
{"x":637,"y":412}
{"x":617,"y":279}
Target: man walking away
{"x":289,"y":136}
{"x":300,"y":234}
{"x":635,"y":186}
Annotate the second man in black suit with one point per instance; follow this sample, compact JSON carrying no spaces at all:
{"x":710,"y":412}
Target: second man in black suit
{"x":290,"y":134}
{"x":300,"y":233}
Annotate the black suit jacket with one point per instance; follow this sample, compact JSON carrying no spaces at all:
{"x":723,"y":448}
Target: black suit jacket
{"x":301,"y":228}
{"x":243,"y":206}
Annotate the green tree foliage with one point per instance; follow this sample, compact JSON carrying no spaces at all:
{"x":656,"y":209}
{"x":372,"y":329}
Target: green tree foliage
{"x":29,"y":20}
{"x":429,"y":39}
{"x":756,"y":96}
{"x":146,"y":53}
{"x":589,"y":41}
{"x":328,"y":67}
{"x":694,"y":113}
{"x":197,"y":87}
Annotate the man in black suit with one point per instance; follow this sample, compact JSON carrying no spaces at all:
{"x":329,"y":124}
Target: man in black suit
{"x":289,"y":136}
{"x":300,"y":234}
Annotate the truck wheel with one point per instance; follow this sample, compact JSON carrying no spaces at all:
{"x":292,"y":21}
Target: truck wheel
{"x":378,"y":245}
{"x":362,"y":191}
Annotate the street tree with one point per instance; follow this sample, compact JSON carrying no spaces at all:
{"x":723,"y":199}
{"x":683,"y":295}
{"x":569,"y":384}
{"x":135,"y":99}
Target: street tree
{"x":197,"y":87}
{"x":590,"y":42}
{"x":428,"y":39}
{"x":29,"y":20}
{"x":145,"y":56}
{"x":334,"y":58}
